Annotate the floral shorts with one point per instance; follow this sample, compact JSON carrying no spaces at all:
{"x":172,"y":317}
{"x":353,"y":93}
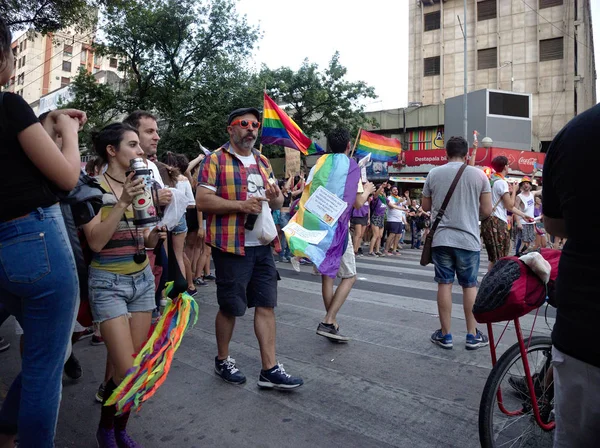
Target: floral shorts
{"x":496,"y":238}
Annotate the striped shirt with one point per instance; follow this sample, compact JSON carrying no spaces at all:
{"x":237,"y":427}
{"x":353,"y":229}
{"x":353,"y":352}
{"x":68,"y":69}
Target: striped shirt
{"x":117,"y":255}
{"x":225,"y":174}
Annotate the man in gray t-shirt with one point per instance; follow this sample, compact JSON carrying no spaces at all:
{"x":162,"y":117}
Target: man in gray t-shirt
{"x":456,"y":242}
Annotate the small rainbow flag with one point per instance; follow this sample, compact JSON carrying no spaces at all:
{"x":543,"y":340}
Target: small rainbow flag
{"x":382,"y":149}
{"x":279,"y":129}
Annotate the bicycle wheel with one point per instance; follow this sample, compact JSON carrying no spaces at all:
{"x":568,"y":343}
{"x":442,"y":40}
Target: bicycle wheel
{"x":505,"y":413}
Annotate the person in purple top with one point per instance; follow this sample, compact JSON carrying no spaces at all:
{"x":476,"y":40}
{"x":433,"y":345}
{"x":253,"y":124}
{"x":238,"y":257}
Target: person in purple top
{"x":378,"y":208}
{"x":359,"y":221}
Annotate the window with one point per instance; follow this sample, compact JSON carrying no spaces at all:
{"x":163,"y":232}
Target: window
{"x":509,"y":105}
{"x":486,"y":10}
{"x":21,"y":47}
{"x":66,"y":66}
{"x":431,"y":66}
{"x":64,"y":81}
{"x":487,"y":58}
{"x":96,"y":59}
{"x":19,"y":64}
{"x":21,"y":79}
{"x":114,"y":63}
{"x":550,"y":3}
{"x":68,"y":50}
{"x":551,"y":49}
{"x":23,"y":63}
{"x":83,"y":56}
{"x":432,"y":21}
{"x":20,"y":92}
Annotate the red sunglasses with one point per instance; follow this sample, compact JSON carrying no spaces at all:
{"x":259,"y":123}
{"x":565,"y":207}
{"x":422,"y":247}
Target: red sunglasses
{"x":246,"y":124}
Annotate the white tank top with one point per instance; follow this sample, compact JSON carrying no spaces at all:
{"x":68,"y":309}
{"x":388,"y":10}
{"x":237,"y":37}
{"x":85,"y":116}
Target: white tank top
{"x":529,"y":203}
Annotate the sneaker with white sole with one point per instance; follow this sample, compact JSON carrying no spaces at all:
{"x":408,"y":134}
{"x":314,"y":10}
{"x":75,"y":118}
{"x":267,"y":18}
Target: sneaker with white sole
{"x":277,"y":378}
{"x":228,"y":372}
{"x":331,"y":332}
{"x":4,"y":345}
{"x":476,"y":341}
{"x":443,"y":340}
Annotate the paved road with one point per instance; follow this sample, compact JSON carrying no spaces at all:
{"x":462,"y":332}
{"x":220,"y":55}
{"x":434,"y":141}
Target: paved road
{"x":389,"y":387}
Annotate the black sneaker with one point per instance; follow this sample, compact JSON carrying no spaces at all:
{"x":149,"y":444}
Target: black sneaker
{"x":198,"y":281}
{"x":277,"y":378}
{"x":331,"y":332}
{"x":192,"y":292}
{"x":228,"y":372}
{"x":100,"y":393}
{"x":73,"y":368}
{"x":4,"y":345}
{"x":210,"y":277}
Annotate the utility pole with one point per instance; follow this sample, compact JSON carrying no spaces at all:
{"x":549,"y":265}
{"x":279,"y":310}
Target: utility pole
{"x":465,"y":80}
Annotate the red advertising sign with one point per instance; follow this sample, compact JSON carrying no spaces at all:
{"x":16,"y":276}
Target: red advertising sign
{"x":525,"y":161}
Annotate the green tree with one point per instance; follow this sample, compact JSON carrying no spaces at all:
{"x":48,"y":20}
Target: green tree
{"x":319,"y":100}
{"x":100,"y":102}
{"x":48,"y":16}
{"x":184,"y":60}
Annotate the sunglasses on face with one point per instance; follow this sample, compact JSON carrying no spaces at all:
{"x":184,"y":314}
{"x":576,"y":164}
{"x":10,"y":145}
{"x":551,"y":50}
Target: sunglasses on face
{"x":246,"y":124}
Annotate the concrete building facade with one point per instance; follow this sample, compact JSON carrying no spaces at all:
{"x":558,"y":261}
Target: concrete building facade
{"x":45,"y":64}
{"x":541,"y":47}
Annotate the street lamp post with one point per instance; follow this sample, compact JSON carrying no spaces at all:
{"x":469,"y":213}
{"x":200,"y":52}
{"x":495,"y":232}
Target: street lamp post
{"x":512,"y":78}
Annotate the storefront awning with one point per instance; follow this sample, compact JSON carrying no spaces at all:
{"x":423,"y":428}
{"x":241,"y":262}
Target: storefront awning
{"x":408,"y":179}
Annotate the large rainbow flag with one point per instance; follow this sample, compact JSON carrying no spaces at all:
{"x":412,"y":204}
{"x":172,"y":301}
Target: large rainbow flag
{"x":382,"y":149}
{"x":279,"y":129}
{"x":310,"y":237}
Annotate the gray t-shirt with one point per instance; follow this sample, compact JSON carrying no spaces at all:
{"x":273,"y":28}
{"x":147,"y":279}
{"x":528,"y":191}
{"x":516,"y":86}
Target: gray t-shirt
{"x":460,"y":225}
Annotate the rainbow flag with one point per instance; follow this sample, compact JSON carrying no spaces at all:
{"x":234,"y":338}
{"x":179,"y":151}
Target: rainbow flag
{"x":279,"y":129}
{"x":382,"y":149}
{"x":310,"y":237}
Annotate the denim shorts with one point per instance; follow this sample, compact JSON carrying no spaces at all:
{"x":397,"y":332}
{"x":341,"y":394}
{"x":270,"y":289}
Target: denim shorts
{"x":115,"y":295}
{"x":450,"y":261}
{"x":245,"y":281}
{"x":181,"y":226}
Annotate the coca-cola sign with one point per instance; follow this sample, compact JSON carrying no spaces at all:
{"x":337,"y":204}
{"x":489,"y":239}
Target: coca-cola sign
{"x":526,"y":162}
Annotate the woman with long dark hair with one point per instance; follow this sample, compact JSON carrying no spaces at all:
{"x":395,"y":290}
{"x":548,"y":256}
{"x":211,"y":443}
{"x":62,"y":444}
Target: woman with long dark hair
{"x":121,"y":282}
{"x":38,"y":278}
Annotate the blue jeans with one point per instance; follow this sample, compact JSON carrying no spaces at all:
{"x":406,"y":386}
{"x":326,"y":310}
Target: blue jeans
{"x":284,"y":219}
{"x":39,"y":286}
{"x":450,"y":261}
{"x":415,"y":235}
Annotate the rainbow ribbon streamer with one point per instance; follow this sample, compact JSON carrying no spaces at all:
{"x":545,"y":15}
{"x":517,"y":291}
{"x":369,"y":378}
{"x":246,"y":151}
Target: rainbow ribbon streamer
{"x":153,"y":362}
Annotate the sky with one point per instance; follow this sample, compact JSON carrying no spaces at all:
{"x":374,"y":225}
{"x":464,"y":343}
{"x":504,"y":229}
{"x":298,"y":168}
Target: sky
{"x":372,"y":38}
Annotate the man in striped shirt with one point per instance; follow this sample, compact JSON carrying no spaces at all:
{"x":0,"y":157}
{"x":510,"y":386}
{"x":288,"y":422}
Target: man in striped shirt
{"x":234,"y":182}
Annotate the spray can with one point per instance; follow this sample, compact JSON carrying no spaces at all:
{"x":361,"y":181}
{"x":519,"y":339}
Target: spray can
{"x":144,"y":209}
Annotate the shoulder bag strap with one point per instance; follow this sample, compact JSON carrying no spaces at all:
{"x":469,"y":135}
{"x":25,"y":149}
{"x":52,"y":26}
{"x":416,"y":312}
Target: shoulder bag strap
{"x":442,"y":210}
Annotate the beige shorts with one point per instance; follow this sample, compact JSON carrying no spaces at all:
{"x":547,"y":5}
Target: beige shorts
{"x":347,"y":264}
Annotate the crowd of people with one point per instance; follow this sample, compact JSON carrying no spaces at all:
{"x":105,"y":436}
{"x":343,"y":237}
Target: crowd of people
{"x":48,"y":271}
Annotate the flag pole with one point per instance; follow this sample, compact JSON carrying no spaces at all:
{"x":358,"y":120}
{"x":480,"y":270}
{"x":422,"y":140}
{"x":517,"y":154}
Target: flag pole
{"x":355,"y":142}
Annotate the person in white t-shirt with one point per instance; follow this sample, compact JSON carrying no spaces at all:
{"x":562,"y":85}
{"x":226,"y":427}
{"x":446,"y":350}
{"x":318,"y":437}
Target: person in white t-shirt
{"x":395,"y":221}
{"x":494,"y":230}
{"x":525,"y":202}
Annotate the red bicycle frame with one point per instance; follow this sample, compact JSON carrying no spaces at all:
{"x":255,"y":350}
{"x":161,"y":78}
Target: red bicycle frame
{"x":523,"y":349}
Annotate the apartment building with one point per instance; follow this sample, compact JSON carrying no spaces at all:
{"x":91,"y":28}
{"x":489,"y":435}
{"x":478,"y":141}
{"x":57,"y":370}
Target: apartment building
{"x":541,"y":47}
{"x":45,"y":64}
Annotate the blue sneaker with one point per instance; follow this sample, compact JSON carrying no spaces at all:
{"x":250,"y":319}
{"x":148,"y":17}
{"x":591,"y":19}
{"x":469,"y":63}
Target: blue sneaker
{"x":277,"y":378}
{"x":228,"y":372}
{"x":443,"y":340}
{"x":477,"y":341}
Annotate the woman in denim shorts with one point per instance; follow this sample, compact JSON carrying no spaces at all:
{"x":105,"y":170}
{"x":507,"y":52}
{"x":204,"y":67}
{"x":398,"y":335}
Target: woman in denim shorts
{"x":121,"y":283}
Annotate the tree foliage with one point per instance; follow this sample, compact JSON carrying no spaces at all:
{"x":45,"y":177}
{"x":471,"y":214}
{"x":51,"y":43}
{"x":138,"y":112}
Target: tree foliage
{"x":319,"y":100}
{"x":50,"y":15}
{"x":101,"y":103}
{"x":184,"y":60}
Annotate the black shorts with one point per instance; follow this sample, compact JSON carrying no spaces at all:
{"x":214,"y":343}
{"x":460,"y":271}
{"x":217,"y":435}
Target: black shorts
{"x":191,"y":217}
{"x":360,"y":220}
{"x":395,"y":227}
{"x":245,"y":281}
